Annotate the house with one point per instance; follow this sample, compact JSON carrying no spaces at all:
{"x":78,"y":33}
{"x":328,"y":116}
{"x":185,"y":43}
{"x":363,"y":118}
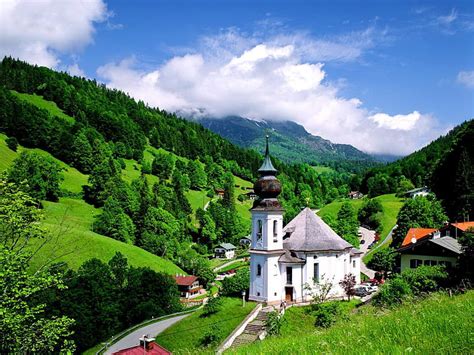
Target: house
{"x":456,"y":229}
{"x":246,"y":241}
{"x":147,"y":346}
{"x":289,"y":263}
{"x":355,"y":195}
{"x":188,"y":286}
{"x":219,"y":193}
{"x":251,"y":195}
{"x":428,"y":246}
{"x":225,"y":250}
{"x":420,"y":191}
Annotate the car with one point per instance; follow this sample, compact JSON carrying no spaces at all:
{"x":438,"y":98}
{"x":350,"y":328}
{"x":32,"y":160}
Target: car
{"x":361,"y":291}
{"x":370,"y":287}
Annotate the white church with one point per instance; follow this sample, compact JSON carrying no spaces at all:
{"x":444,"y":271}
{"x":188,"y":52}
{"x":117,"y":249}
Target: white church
{"x":288,"y":263}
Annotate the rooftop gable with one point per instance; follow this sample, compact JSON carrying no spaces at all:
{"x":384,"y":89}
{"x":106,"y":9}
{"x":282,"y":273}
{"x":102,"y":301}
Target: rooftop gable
{"x":417,"y":233}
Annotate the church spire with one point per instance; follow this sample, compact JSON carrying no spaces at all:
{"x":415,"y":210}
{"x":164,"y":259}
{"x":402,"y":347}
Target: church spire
{"x":267,"y":166}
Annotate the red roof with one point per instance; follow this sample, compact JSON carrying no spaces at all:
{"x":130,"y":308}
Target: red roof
{"x":138,"y":350}
{"x":464,"y":225}
{"x":416,"y":233}
{"x":185,"y":280}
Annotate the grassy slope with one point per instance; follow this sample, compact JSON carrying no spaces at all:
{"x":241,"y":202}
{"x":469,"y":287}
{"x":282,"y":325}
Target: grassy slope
{"x":323,"y":169}
{"x":437,"y":325}
{"x":184,"y":336}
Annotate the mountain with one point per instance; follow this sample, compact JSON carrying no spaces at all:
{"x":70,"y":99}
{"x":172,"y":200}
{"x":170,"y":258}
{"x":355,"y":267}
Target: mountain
{"x":290,"y":141}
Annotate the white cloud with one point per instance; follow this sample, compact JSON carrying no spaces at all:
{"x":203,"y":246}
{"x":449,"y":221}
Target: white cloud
{"x":272,"y":79}
{"x":75,"y":70}
{"x":38,"y":30}
{"x":448,"y":19}
{"x":466,"y":78}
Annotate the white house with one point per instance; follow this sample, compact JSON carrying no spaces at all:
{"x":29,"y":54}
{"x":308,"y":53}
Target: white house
{"x":420,"y":191}
{"x":225,"y":250}
{"x":288,"y":263}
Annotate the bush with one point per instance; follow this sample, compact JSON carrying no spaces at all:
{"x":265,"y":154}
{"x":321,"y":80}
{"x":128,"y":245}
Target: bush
{"x":273,"y":323}
{"x":326,"y":314}
{"x":212,"y":306}
{"x":391,"y":293}
{"x":236,"y":284}
{"x":12,"y":143}
{"x":211,"y":336}
{"x":425,"y":278}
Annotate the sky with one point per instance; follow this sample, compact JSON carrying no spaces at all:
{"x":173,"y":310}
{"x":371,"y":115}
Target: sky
{"x":385,"y":76}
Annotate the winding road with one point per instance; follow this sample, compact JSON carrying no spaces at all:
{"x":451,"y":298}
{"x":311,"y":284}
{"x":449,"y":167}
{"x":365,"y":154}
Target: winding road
{"x":369,"y":237}
{"x":154,"y":329}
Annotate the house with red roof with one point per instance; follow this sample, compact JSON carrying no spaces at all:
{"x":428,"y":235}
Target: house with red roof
{"x":188,"y":286}
{"x":147,"y":346}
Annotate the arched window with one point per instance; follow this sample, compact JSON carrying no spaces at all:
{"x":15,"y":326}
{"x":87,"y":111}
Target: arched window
{"x":259,"y":270}
{"x":275,"y":231}
{"x":259,"y":228}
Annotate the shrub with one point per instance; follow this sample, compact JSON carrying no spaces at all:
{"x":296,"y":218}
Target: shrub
{"x":236,"y":284}
{"x":391,"y":293}
{"x":326,"y":314}
{"x":274,"y":323}
{"x":425,"y":278}
{"x":212,"y":306}
{"x":12,"y":143}
{"x":211,"y":336}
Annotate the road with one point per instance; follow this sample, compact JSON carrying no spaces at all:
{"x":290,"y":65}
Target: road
{"x":216,"y":269}
{"x":369,"y":237}
{"x":154,"y":329}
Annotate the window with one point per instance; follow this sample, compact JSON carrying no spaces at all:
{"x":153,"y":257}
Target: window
{"x":353,"y":263}
{"x":275,"y":231}
{"x":316,"y":272}
{"x":259,"y":270}
{"x":289,"y":275}
{"x":259,"y":228}
{"x":414,"y":263}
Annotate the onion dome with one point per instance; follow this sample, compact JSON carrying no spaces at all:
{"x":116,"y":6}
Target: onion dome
{"x":267,"y":187}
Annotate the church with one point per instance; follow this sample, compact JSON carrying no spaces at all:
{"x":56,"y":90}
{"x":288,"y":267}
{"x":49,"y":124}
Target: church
{"x":289,"y":263}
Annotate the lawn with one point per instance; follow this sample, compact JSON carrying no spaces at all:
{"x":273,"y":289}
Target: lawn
{"x":50,"y":106}
{"x":436,"y":325}
{"x":184,"y":337}
{"x":238,"y":264}
{"x":197,"y":199}
{"x":72,"y":242}
{"x":323,"y":169}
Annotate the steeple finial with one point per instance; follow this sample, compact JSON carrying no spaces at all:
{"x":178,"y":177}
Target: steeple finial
{"x":267,"y":166}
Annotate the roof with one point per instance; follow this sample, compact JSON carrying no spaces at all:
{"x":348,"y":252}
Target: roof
{"x":416,"y":233}
{"x":355,"y":251}
{"x":464,"y":226}
{"x":424,"y":188}
{"x":290,"y":258}
{"x":448,"y":243}
{"x":227,"y":246}
{"x":267,"y":166}
{"x":311,"y":233}
{"x":138,"y":350}
{"x":185,"y":280}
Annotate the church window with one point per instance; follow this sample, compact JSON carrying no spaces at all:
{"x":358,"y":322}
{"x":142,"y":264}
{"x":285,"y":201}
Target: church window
{"x":275,"y":231}
{"x":259,"y":270}
{"x":353,"y":263}
{"x":259,"y":228}
{"x":289,"y":275}
{"x":316,"y":272}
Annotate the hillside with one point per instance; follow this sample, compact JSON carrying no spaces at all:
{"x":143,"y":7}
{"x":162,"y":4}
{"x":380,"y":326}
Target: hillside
{"x":440,"y":326}
{"x":69,"y":222}
{"x":290,"y":142}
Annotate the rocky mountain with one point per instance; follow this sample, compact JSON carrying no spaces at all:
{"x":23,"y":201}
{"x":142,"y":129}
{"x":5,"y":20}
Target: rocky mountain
{"x":290,"y":141}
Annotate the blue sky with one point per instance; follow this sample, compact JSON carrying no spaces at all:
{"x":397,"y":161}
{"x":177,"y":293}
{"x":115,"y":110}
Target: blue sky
{"x":385,"y":76}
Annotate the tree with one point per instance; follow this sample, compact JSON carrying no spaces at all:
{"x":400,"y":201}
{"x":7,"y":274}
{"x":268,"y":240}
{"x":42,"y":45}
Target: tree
{"x":114,"y":223}
{"x":207,"y":228}
{"x":197,"y":175}
{"x":119,"y":268}
{"x":348,"y":285}
{"x":213,"y":305}
{"x":236,"y":284}
{"x":369,"y":213}
{"x":41,"y":174}
{"x":347,"y":224}
{"x":466,"y":260}
{"x":162,"y":165}
{"x":81,"y":153}
{"x":94,"y":192}
{"x":418,"y":212}
{"x":229,"y":192}
{"x":25,"y":326}
{"x":383,"y":260}
{"x":12,"y":143}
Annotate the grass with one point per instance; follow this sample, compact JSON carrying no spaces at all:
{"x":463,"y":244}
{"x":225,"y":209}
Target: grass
{"x":197,"y":199}
{"x":436,"y":325}
{"x":49,"y":106}
{"x":185,"y":336}
{"x":323,"y":169}
{"x":238,"y":264}
{"x":69,"y":221}
{"x":73,"y":178}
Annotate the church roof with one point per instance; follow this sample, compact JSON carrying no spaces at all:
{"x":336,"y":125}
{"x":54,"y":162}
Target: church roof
{"x":267,"y":166}
{"x":311,"y":233}
{"x":289,"y":258}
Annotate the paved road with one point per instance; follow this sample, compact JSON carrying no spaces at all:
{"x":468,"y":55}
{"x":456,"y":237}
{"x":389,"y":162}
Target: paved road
{"x":369,"y":237}
{"x":154,"y":329}
{"x":226,"y":264}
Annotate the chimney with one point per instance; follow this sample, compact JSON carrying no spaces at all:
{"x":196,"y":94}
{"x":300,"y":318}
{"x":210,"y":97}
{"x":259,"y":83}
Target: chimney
{"x":436,"y":234}
{"x":147,"y":343}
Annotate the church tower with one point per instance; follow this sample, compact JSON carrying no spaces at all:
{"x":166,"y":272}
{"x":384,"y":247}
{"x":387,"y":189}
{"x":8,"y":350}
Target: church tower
{"x":267,"y":236}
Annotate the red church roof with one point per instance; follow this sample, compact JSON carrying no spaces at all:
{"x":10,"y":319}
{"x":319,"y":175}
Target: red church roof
{"x":155,"y":349}
{"x":416,"y":233}
{"x":185,"y":280}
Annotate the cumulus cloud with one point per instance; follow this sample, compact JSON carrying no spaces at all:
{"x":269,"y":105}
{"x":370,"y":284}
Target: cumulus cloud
{"x":273,"y":79}
{"x":466,"y":78}
{"x":37,"y":31}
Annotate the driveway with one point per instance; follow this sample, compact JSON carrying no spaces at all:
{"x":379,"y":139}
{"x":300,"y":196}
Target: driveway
{"x":152,"y":330}
{"x":369,"y":237}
